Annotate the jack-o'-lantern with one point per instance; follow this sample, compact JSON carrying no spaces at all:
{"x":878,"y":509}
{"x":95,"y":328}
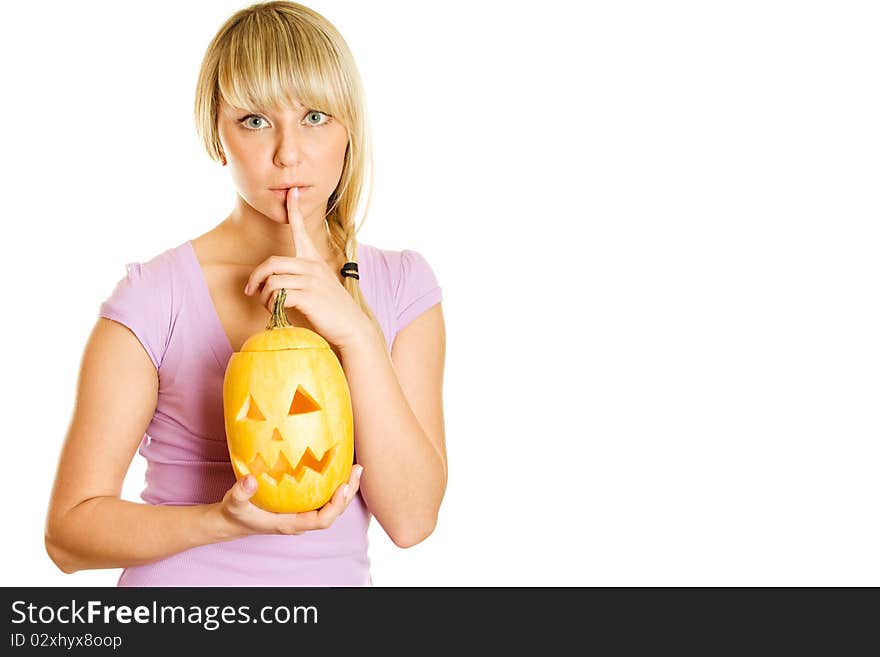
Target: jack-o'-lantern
{"x":288,"y":415}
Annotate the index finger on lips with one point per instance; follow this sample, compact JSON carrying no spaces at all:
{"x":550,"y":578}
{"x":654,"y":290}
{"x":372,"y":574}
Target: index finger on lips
{"x":301,"y":240}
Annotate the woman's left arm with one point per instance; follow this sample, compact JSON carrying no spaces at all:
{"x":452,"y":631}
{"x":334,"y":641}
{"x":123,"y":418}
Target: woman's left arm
{"x":396,"y":398}
{"x":397,"y":402}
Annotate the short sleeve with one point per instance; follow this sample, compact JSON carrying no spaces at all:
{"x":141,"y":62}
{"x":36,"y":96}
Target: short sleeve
{"x":141,"y":301}
{"x":417,"y":288}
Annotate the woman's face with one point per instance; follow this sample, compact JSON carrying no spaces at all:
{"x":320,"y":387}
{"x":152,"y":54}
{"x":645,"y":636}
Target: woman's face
{"x":271,"y":150}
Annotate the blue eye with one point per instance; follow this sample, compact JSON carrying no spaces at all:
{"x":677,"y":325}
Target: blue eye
{"x":317,"y":125}
{"x":251,"y":116}
{"x":309,"y":113}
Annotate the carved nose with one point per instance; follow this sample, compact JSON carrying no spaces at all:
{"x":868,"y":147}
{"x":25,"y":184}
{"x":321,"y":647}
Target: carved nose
{"x":276,"y":435}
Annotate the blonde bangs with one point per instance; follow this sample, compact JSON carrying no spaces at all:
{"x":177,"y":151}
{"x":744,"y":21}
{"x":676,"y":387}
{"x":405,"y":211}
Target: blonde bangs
{"x":269,"y":63}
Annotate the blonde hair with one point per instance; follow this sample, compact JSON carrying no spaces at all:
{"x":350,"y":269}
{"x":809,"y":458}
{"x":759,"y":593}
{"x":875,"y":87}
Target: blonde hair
{"x":265,"y":55}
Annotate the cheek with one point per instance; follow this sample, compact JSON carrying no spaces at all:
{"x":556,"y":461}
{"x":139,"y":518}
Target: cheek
{"x":334,"y":163}
{"x":227,"y":137}
{"x":240,"y":149}
{"x":337,"y":145}
{"x":342,"y":147}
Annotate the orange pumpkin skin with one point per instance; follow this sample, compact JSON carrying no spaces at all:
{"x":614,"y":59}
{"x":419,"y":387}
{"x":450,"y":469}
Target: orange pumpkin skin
{"x":288,"y":416}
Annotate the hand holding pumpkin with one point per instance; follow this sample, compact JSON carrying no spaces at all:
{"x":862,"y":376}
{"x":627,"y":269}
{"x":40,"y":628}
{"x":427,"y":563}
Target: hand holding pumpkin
{"x":238,"y":517}
{"x":312,"y":285}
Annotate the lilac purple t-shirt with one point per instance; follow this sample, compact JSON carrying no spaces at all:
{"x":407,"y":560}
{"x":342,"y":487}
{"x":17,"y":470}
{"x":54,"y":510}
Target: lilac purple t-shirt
{"x":166,"y":303}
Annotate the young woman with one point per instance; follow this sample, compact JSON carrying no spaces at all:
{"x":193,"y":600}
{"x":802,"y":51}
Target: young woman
{"x":279,"y":101}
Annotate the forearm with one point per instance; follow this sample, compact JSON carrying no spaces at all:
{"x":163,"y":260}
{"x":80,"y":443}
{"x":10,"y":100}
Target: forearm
{"x":404,"y":476}
{"x":107,"y":532}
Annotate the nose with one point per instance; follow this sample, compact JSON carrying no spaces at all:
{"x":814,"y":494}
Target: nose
{"x":289,"y":151}
{"x":276,"y":435}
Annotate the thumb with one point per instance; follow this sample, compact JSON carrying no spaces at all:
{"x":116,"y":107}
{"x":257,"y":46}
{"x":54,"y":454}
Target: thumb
{"x":244,"y":488}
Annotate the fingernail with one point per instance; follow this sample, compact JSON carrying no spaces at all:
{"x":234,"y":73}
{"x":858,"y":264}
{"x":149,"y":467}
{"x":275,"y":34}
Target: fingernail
{"x":360,"y":471}
{"x":345,"y":492}
{"x":247,"y":289}
{"x":248,"y":483}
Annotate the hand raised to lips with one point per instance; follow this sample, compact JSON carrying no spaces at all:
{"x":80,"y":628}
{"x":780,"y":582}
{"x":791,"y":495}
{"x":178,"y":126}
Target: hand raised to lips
{"x":312,"y":286}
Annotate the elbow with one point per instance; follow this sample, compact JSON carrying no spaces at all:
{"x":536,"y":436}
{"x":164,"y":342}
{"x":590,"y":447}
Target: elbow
{"x":411,"y":536}
{"x":59,"y":556}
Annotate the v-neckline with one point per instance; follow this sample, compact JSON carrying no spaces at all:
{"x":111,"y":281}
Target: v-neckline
{"x":221,"y":347}
{"x":219,"y":342}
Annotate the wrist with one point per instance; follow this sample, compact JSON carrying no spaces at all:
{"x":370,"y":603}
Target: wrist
{"x":365,"y":337}
{"x":215,"y":523}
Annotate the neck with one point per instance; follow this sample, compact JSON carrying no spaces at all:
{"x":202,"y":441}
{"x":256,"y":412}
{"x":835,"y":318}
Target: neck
{"x":257,"y":236}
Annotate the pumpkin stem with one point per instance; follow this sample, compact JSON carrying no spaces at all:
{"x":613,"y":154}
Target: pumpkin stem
{"x":279,"y":317}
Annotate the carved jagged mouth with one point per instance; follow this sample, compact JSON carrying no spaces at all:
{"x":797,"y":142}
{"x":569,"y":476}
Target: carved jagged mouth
{"x":283,"y":467}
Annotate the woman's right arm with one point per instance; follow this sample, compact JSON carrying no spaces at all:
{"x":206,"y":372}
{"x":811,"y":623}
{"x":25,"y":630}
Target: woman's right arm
{"x":88,"y":525}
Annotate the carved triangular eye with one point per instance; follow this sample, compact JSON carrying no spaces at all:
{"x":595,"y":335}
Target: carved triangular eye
{"x":303,"y":403}
{"x":250,"y":410}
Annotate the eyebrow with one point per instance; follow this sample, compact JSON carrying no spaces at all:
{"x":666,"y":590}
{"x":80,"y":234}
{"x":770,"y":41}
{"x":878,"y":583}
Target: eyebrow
{"x":238,"y":110}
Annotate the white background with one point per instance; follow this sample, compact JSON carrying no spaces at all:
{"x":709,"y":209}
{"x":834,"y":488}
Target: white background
{"x":656,"y":230}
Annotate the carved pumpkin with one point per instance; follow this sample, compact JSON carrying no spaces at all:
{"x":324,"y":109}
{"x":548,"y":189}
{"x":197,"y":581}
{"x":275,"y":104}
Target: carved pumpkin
{"x":288,"y":416}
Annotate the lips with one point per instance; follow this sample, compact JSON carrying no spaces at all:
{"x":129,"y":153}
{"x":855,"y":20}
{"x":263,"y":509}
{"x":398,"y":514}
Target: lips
{"x":282,"y":192}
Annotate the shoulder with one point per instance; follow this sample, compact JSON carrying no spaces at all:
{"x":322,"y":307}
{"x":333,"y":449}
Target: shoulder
{"x":156,"y":270}
{"x":398,"y":267}
{"x":410,"y":279}
{"x":146,"y":299}
{"x":151,"y":283}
